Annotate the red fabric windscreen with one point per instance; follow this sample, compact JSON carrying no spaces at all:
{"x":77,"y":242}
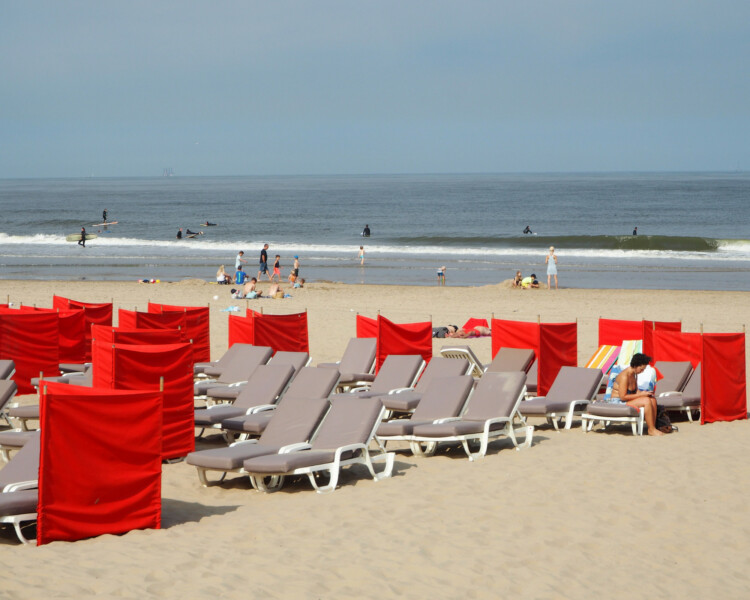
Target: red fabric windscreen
{"x":119,"y":335}
{"x":514,"y":334}
{"x":724,"y":383}
{"x":677,"y":346}
{"x":283,"y":333}
{"x":241,"y":330}
{"x":198,"y":326}
{"x":405,"y":338}
{"x":473,"y":322}
{"x":99,"y":463}
{"x":612,"y":332}
{"x":140,"y":367}
{"x":73,"y":347}
{"x":555,"y":345}
{"x":650,"y":327}
{"x":99,"y":314}
{"x":558,"y":347}
{"x":367,"y":327}
{"x":30,"y":339}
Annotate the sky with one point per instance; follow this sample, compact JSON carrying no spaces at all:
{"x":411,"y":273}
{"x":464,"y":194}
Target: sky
{"x":129,"y":88}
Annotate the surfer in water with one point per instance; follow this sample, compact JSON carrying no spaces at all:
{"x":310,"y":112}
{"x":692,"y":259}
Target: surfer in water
{"x":104,"y":215}
{"x":366,"y":231}
{"x":188,"y":232}
{"x":208,"y":224}
{"x":635,"y":231}
{"x":179,"y":233}
{"x":82,"y":241}
{"x":528,"y":229}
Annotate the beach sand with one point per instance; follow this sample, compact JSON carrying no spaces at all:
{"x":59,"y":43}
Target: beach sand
{"x":594,"y":515}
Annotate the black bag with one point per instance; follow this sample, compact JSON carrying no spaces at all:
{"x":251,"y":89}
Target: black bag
{"x":663,"y":422}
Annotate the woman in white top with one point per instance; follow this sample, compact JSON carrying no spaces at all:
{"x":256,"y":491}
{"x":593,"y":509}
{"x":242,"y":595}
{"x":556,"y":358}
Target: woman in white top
{"x":551,"y":261}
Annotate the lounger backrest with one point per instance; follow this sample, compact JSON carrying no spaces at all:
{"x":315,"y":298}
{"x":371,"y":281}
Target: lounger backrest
{"x":24,"y":466}
{"x":511,"y":359}
{"x":397,"y":371}
{"x":7,"y":368}
{"x":496,"y":395}
{"x":264,"y":386}
{"x":245,"y":363}
{"x":675,"y":375}
{"x":466,"y":353}
{"x":312,"y":382}
{"x":296,"y":359}
{"x":86,"y":380}
{"x":692,"y":389}
{"x":233,"y":352}
{"x":294,"y":421}
{"x":359,"y":356}
{"x":532,"y":377}
{"x":441,"y":367}
{"x":351,"y":420}
{"x":8,"y":389}
{"x":575,"y":383}
{"x":444,"y":397}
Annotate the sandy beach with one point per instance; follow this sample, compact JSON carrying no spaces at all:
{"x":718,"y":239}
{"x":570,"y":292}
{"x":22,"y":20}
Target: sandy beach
{"x":594,"y":515}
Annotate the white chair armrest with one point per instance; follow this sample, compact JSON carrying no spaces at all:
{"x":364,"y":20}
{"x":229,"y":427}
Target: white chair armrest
{"x":261,"y":408}
{"x":294,"y":447}
{"x":241,"y":442}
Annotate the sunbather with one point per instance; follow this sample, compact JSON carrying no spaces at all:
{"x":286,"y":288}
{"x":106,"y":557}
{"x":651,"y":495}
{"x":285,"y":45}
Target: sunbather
{"x":625,"y":391}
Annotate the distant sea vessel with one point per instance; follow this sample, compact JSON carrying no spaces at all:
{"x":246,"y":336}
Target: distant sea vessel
{"x":168,"y":172}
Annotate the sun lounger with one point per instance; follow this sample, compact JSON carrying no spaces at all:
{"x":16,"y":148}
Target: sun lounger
{"x":687,"y":400}
{"x":73,"y":367}
{"x":675,"y":377}
{"x":570,"y":393}
{"x":238,"y":371}
{"x":14,"y":439}
{"x":407,"y":399}
{"x":7,"y":369}
{"x":18,"y":488}
{"x":464,"y":353}
{"x":443,"y":398}
{"x":511,"y":359}
{"x":213,"y":369}
{"x":311,"y":382}
{"x":75,"y":377}
{"x":398,"y":371}
{"x":228,"y":393}
{"x":265,"y":385}
{"x":293,"y":422}
{"x":490,"y":413}
{"x":357,"y":363}
{"x":342,"y":439}
{"x":8,"y":390}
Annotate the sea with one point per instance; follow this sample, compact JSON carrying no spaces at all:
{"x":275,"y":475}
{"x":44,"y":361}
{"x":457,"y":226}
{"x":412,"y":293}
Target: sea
{"x":693,"y":228}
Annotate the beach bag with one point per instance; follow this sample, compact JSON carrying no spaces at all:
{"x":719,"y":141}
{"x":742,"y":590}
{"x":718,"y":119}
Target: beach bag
{"x":663,"y":422}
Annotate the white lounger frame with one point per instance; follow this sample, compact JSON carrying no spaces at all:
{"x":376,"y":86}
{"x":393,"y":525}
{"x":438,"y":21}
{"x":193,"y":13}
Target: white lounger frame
{"x":485,"y":437}
{"x":18,"y":520}
{"x":636,"y":423}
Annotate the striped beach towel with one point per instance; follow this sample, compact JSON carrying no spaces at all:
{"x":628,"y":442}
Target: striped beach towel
{"x":629,"y":347}
{"x":604,"y":358}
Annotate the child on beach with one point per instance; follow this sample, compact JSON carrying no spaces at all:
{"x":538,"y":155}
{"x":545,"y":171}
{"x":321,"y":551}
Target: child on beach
{"x":361,"y":255}
{"x":441,"y":275}
{"x":277,"y":269}
{"x":295,"y":270}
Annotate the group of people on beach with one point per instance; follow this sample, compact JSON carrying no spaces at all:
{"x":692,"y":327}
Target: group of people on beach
{"x":531,"y":281}
{"x":249,"y":290}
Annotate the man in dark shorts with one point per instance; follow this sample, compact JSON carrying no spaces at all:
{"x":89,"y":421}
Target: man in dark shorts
{"x":263,"y":267}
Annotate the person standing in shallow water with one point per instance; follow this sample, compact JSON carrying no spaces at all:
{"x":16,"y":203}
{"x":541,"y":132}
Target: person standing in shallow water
{"x":635,"y":231}
{"x":82,"y":241}
{"x":551,"y":261}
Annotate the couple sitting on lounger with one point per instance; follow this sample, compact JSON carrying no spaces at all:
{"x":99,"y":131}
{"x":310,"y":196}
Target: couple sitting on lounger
{"x":625,"y":391}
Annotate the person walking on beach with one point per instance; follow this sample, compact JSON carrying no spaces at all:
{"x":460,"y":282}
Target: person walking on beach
{"x":277,"y":268}
{"x":82,"y":241}
{"x":551,"y":261}
{"x":362,"y":255}
{"x":239,"y":260}
{"x":294,"y":275}
{"x":263,"y":263}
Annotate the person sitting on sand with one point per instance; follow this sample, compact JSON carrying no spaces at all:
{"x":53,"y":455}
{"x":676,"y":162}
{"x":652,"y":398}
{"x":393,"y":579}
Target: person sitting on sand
{"x":625,"y":391}
{"x":530,"y":282}
{"x":300,"y":283}
{"x":248,"y":292}
{"x":517,"y":280}
{"x":222,"y":276}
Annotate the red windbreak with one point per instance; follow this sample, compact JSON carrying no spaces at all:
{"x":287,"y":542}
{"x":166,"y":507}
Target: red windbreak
{"x":72,"y":332}
{"x":30,"y":339}
{"x":100,"y":462}
{"x":403,"y":338}
{"x":724,"y":383}
{"x":139,"y":367}
{"x":677,"y":346}
{"x":99,"y":314}
{"x":198,"y":326}
{"x":555,"y":345}
{"x":367,"y":327}
{"x":285,"y":333}
{"x":613,"y":332}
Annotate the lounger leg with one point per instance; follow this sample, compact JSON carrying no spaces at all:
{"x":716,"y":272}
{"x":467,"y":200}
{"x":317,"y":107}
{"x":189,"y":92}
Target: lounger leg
{"x":387,"y":458}
{"x":19,"y":532}
{"x":528,"y":438}
{"x":428,"y":449}
{"x":204,"y":480}
{"x":270,"y":484}
{"x":332,"y":482}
